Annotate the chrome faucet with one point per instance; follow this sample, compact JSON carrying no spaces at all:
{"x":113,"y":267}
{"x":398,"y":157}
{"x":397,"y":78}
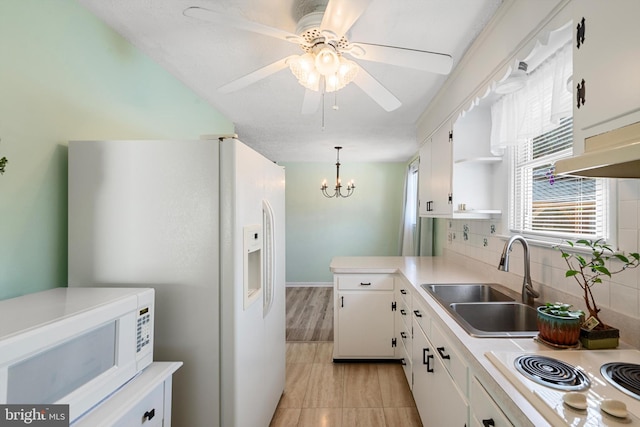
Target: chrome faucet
{"x":528,"y":293}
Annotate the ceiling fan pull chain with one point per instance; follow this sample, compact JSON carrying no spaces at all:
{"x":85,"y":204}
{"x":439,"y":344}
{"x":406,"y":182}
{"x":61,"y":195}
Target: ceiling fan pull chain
{"x":323,"y":110}
{"x":335,"y":100}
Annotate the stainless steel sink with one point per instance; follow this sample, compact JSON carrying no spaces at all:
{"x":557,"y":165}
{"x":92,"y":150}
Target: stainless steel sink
{"x":486,"y":310}
{"x":496,"y":319}
{"x":467,"y":292}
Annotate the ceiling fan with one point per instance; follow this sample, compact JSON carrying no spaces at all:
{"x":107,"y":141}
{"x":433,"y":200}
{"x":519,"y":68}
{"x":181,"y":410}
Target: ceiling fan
{"x":323,"y":67}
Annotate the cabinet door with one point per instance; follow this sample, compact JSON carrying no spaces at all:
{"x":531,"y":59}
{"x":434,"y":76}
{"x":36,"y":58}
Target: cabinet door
{"x":435,"y":175}
{"x":365,"y":327}
{"x":484,"y":411}
{"x":608,"y":61}
{"x":438,"y":400}
{"x":422,"y":364}
{"x":425,"y":192}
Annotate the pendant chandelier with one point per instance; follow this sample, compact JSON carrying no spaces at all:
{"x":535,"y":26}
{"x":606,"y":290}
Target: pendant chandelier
{"x":337,"y":192}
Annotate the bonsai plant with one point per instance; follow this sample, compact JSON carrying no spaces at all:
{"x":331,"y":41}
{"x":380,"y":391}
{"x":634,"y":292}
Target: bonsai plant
{"x":587,"y":271}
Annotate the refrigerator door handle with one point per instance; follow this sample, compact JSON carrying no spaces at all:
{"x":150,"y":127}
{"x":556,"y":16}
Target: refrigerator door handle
{"x":269,"y":257}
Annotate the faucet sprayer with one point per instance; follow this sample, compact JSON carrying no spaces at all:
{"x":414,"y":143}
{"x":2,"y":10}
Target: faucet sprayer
{"x":528,"y":293}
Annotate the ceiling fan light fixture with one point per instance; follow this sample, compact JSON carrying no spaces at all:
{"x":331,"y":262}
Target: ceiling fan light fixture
{"x":327,"y":60}
{"x":303,"y":68}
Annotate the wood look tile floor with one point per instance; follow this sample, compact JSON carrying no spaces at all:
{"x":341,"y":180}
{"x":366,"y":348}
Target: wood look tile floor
{"x":309,"y":313}
{"x":320,"y":393}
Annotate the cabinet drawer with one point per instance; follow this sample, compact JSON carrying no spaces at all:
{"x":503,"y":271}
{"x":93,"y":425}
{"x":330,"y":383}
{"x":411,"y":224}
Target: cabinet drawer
{"x":404,"y":312}
{"x":404,"y":290}
{"x":365,"y":281}
{"x":421,"y":316}
{"x":450,"y":358}
{"x":405,"y":358}
{"x":483,"y":408}
{"x":148,"y":413}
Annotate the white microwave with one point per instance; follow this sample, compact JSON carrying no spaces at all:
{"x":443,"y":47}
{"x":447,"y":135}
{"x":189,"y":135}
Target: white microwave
{"x":73,"y":346}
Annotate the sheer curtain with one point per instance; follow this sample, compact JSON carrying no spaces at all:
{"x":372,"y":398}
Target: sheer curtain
{"x":538,"y":107}
{"x":410,"y":228}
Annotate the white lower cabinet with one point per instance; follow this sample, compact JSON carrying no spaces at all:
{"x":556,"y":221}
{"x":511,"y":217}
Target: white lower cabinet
{"x":438,"y":399}
{"x":364,"y":310}
{"x":484,"y":411}
{"x":144,"y":401}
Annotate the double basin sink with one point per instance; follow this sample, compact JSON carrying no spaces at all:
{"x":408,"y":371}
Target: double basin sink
{"x":486,"y":310}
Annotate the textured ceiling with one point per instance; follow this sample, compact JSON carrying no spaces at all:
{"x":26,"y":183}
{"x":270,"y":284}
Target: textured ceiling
{"x":267,"y":114}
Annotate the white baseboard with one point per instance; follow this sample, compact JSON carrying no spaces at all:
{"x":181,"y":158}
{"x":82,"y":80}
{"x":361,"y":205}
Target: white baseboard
{"x":309,"y":284}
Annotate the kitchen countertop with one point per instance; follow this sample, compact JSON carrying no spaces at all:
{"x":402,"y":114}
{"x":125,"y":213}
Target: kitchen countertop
{"x":458,"y":269}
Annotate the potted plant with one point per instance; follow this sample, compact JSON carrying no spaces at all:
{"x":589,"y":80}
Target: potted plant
{"x":588,"y":271}
{"x":559,"y":325}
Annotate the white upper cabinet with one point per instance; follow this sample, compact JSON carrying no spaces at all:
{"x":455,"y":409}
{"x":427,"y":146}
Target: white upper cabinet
{"x":458,"y":171}
{"x":435,"y":175}
{"x":606,"y":64}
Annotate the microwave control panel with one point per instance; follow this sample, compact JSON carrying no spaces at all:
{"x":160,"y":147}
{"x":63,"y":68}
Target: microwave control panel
{"x":143,"y":329}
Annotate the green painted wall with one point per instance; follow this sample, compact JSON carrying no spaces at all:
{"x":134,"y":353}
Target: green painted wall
{"x":367,"y":223}
{"x":66,"y":76}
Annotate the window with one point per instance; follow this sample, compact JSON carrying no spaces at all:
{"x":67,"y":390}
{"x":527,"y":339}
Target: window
{"x":409,"y":227}
{"x":555,"y":206}
{"x":535,"y":123}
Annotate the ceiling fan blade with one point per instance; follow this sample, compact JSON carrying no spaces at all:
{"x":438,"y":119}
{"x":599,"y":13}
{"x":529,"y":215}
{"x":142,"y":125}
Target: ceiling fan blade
{"x":311,"y":101}
{"x":434,"y":62}
{"x":340,"y":15}
{"x":229,"y":20}
{"x":253,"y":77}
{"x":376,"y":91}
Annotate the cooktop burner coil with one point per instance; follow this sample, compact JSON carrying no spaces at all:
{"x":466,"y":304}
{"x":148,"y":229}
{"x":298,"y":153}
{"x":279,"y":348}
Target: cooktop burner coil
{"x":552,"y":372}
{"x":624,"y":376}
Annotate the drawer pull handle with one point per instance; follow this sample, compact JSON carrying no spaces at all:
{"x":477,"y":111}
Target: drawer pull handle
{"x":403,"y":292}
{"x":442,"y":354}
{"x":488,"y":423}
{"x":403,"y":334}
{"x":404,"y":362}
{"x":426,"y":359}
{"x":342,"y":301}
{"x":149,"y":414}
{"x":403,"y":312}
{"x":417,"y":313}
{"x":365,"y":284}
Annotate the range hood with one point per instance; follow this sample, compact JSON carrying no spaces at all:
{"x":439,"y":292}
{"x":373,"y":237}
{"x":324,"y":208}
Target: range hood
{"x":614,"y":154}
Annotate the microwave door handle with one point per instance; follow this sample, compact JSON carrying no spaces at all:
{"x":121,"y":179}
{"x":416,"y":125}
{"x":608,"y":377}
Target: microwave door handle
{"x":269,"y":257}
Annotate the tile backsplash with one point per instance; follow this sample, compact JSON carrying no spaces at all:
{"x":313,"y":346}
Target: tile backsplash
{"x":618,"y":297}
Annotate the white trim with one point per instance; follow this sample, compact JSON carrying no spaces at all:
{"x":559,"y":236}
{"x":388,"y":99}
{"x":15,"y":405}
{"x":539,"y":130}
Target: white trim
{"x":309,"y":284}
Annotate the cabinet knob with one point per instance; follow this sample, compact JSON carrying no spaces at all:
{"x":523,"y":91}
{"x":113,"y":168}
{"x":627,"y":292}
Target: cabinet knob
{"x":149,"y":415}
{"x":417,"y":313}
{"x":403,"y":334}
{"x":488,"y":423}
{"x":580,"y":29}
{"x":403,"y":312}
{"x":403,"y":291}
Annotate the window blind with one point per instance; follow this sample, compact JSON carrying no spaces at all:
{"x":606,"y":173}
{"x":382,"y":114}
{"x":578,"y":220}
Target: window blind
{"x":555,"y":206}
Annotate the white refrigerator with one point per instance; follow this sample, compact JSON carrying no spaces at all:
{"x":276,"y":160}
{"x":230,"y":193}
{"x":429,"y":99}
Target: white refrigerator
{"x":202,"y":222}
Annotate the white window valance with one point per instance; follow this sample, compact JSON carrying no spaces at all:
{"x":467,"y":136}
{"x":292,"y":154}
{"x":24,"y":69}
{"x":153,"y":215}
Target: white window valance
{"x":536,"y":108}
